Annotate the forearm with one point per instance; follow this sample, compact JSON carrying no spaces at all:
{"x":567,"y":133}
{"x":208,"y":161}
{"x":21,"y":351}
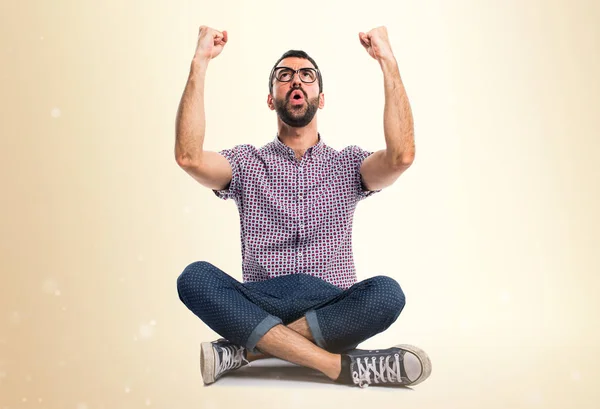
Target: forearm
{"x":191,"y":123}
{"x":397,"y":116}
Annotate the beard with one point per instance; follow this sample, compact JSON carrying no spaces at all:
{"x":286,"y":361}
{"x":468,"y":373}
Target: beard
{"x":296,"y":116}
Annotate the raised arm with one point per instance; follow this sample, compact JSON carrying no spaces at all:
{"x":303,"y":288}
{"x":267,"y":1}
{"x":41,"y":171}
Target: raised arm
{"x":383,"y":167}
{"x":210,"y":169}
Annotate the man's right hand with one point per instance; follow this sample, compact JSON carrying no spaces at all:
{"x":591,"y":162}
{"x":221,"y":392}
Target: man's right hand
{"x":210,"y":43}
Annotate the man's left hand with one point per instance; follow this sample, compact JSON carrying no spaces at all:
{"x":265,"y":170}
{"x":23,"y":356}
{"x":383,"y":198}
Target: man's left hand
{"x":377,"y":43}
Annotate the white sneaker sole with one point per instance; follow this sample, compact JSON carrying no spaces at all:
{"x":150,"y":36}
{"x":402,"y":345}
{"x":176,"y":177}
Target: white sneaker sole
{"x":423,"y":358}
{"x":207,"y":362}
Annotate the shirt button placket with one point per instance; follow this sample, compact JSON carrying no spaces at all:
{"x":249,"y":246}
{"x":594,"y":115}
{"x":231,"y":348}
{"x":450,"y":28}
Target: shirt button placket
{"x":300,"y":211}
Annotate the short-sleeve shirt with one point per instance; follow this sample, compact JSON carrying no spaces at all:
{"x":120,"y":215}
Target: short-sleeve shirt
{"x":296,"y":214}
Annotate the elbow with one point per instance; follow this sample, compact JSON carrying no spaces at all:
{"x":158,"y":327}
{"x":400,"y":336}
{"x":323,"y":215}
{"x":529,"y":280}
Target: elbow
{"x":403,"y":160}
{"x":186,"y":161}
{"x":187,"y":158}
{"x":408,"y":159}
{"x":182,"y":160}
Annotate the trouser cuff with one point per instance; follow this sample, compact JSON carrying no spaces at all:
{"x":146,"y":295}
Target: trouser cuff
{"x":261,"y":329}
{"x":315,"y":329}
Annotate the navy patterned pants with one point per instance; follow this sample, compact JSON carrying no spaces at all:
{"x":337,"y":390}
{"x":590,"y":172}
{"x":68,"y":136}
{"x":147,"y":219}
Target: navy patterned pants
{"x":243,"y":313}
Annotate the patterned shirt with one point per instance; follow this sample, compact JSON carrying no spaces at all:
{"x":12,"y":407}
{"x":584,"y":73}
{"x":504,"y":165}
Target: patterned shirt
{"x":296,"y":214}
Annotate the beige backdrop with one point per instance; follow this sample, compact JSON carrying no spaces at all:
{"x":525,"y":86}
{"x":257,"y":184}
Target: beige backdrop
{"x":493,"y":233}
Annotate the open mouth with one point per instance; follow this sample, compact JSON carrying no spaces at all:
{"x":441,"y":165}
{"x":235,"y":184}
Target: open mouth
{"x":297,"y":97}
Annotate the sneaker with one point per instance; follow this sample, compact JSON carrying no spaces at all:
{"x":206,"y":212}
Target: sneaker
{"x":402,"y":365}
{"x":219,"y":357}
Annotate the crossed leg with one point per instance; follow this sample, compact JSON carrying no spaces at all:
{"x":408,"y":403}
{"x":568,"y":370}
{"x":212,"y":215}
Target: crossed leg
{"x":300,"y":326}
{"x":248,"y":317}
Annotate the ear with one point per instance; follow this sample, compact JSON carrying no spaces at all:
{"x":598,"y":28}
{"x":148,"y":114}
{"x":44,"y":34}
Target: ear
{"x":321,"y":100}
{"x":270,"y":102}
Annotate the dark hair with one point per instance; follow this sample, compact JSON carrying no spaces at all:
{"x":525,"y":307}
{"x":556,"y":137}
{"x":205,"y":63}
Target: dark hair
{"x":298,"y":54}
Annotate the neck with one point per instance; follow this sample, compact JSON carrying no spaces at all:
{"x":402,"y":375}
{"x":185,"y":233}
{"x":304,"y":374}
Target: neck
{"x":299,"y":139}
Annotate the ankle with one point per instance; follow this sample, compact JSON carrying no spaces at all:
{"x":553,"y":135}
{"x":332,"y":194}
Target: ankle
{"x":335,"y":367}
{"x":250,"y":356}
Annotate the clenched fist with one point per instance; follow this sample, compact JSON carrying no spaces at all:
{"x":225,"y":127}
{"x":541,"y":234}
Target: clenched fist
{"x":210,"y":43}
{"x":377,"y":43}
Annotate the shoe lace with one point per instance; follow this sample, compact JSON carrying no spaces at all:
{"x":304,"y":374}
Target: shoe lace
{"x":386,"y":369}
{"x":232,"y":357}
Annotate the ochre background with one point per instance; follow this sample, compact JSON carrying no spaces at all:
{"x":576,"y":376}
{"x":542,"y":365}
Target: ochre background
{"x":493,"y":233}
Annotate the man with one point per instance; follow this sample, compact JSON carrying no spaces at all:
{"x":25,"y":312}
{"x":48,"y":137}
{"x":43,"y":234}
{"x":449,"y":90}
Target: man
{"x":299,"y":300}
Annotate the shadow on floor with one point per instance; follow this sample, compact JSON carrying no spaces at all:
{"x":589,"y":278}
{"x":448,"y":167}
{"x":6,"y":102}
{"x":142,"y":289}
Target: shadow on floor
{"x":278,"y":370}
{"x":275,"y":369}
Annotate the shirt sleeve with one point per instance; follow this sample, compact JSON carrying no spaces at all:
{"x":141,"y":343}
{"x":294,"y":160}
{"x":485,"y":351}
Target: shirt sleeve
{"x":236,"y":157}
{"x":358,"y":155}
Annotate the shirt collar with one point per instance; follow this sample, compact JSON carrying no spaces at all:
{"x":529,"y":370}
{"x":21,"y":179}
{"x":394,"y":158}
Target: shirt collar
{"x":315,"y":150}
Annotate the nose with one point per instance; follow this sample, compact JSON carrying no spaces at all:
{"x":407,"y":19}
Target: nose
{"x":296,"y":79}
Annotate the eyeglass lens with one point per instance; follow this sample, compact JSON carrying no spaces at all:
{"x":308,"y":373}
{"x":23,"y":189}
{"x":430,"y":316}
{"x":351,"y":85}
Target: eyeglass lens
{"x":286,"y":74}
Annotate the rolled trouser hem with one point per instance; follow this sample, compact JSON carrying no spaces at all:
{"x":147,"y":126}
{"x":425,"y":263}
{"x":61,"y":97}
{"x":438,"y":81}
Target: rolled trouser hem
{"x":315,"y":329}
{"x":261,"y":329}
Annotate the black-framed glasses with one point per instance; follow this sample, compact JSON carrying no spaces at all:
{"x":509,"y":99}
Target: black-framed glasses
{"x":286,"y":74}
